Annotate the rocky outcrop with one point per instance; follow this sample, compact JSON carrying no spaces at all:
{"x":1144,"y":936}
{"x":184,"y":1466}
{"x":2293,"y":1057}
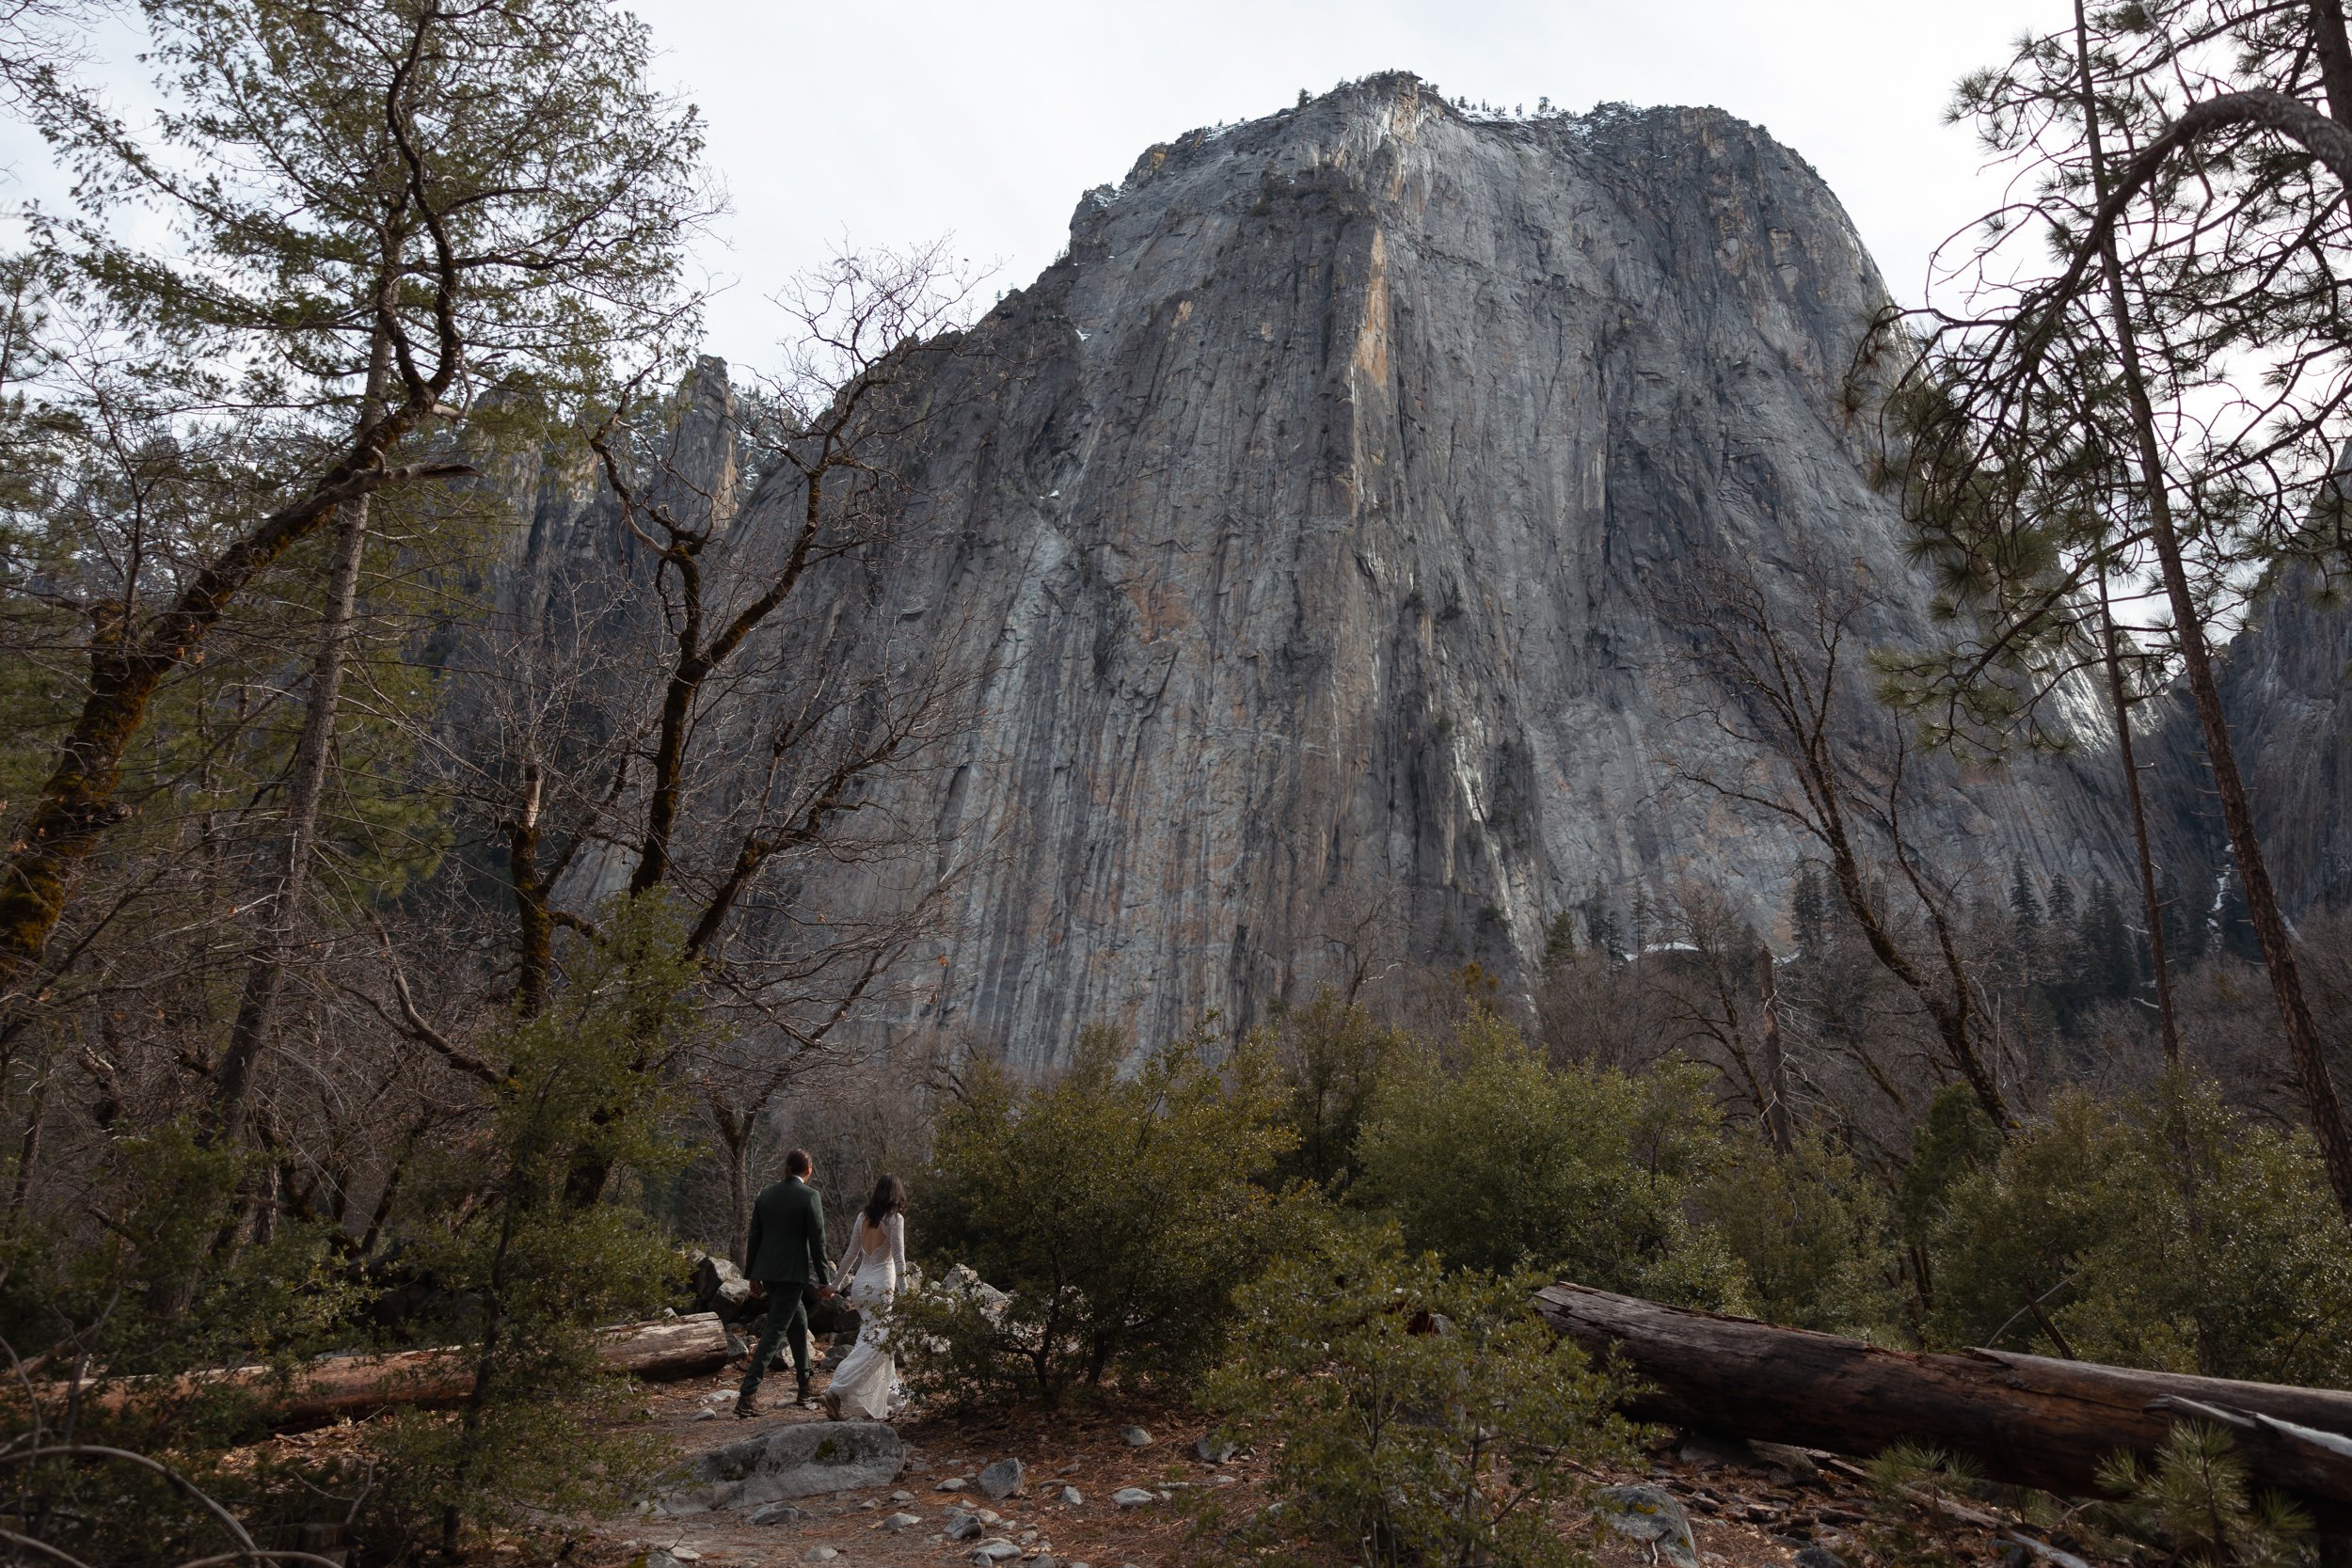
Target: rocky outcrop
{"x":1306,"y":526}
{"x":2286,"y":684}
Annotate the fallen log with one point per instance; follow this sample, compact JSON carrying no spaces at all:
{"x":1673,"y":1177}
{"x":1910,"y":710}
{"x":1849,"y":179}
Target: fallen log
{"x":335,"y":1387}
{"x":2022,"y":1419}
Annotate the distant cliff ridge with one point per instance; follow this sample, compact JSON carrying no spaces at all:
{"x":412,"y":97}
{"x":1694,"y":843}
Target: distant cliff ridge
{"x":1309,"y":564}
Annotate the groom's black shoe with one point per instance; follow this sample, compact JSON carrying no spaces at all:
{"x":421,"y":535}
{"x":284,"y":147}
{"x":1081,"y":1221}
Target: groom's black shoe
{"x":746,"y":1405}
{"x":804,"y":1395}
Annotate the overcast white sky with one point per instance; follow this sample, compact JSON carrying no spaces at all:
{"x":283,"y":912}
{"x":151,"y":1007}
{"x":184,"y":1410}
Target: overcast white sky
{"x":871,"y":122}
{"x":888,"y":121}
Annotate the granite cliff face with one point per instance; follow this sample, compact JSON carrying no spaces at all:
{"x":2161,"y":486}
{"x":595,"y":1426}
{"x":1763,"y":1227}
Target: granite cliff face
{"x":1304,"y":530}
{"x":2284,"y":684}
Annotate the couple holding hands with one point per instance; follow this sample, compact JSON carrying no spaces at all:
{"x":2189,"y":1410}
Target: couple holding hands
{"x":784,"y":1259}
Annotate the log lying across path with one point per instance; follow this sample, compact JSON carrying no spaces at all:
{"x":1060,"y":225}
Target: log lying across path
{"x":2023,"y":1418}
{"x":328,"y":1391}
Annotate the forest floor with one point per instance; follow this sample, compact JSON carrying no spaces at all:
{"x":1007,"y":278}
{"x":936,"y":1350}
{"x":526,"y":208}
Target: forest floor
{"x":1744,"y":1514}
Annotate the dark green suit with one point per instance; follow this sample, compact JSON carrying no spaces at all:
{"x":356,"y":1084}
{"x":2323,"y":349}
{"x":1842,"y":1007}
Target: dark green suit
{"x":787,"y":1254}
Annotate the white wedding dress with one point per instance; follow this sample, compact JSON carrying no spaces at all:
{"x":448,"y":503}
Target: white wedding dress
{"x":866,"y":1384}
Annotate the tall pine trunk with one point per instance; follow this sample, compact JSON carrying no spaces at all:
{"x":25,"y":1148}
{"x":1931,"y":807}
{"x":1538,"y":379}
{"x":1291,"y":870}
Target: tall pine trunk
{"x":2237,"y":815}
{"x":263,"y":996}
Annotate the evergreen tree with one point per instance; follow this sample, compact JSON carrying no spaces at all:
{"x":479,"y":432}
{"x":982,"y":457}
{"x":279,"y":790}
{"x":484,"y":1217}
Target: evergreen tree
{"x":1559,"y":940}
{"x":2185,"y":930}
{"x":1601,"y":930}
{"x":2111,"y":968}
{"x":2060,"y":906}
{"x":1808,"y":912}
{"x":2025,"y":906}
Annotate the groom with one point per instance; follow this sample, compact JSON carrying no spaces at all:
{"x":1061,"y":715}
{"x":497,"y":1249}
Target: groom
{"x":785,"y":1260}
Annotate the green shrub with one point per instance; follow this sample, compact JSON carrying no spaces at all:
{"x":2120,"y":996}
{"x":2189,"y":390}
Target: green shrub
{"x":1410,"y":1415}
{"x":1118,"y":1208}
{"x":2173,"y":1234}
{"x":540,"y":1259}
{"x":1814,"y":1234}
{"x":1955,"y":1138}
{"x":161,"y":1291}
{"x":2194,"y":1504}
{"x":1494,"y":1160}
{"x":1333,"y":1058}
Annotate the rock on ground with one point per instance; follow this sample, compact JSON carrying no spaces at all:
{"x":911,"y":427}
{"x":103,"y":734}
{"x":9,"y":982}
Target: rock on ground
{"x":1002,"y":1478}
{"x":1651,"y":1516}
{"x":804,"y":1459}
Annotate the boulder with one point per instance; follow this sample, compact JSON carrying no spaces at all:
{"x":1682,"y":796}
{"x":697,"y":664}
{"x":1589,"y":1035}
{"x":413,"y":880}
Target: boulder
{"x":719,"y":1287}
{"x":807,"y":1459}
{"x":1821,"y":1556}
{"x":1650,"y":1517}
{"x":1002,"y":1478}
{"x":775,"y":1514}
{"x":896,"y":1522}
{"x":1134,"y":1497}
{"x":964,"y":1527}
{"x":1135,"y":1438}
{"x":1073,"y":1496}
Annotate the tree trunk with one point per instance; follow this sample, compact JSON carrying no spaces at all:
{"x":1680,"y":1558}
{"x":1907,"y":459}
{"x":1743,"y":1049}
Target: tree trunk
{"x":28,"y":1148}
{"x":2022,"y":1418}
{"x":2261,"y":900}
{"x":78,"y":805}
{"x":331,"y":1390}
{"x":2151,"y":901}
{"x":1775,"y":1068}
{"x":265,"y":969}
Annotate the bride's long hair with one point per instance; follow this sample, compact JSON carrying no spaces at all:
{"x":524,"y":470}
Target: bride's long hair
{"x":890,"y":1197}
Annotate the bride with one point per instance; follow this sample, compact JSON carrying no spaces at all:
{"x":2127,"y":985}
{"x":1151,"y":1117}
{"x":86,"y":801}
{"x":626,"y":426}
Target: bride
{"x":866,"y":1383}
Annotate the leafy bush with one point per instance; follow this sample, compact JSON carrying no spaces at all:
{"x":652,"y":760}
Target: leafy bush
{"x":1494,"y":1160}
{"x":1955,"y":1138}
{"x":1815,"y":1235}
{"x":162,"y":1292}
{"x":1333,"y":1058}
{"x":538,"y":1262}
{"x":2173,"y":1234}
{"x":1117,"y":1207}
{"x":1410,"y":1415}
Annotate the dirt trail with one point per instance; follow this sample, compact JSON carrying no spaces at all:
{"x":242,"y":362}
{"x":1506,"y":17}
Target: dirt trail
{"x":1742,"y":1516}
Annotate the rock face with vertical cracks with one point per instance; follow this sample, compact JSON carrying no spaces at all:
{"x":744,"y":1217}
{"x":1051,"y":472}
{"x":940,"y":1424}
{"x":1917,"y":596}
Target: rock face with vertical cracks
{"x":1308,"y":528}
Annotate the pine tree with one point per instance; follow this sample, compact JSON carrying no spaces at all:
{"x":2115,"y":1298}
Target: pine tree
{"x":2111,"y":967}
{"x":1808,"y":912}
{"x":1602,"y":931}
{"x":1559,"y":940}
{"x":2025,"y":908}
{"x":2185,"y":930}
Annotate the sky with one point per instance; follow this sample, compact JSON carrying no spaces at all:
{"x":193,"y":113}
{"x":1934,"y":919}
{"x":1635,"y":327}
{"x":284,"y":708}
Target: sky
{"x":897,"y":123}
{"x":892,"y":123}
